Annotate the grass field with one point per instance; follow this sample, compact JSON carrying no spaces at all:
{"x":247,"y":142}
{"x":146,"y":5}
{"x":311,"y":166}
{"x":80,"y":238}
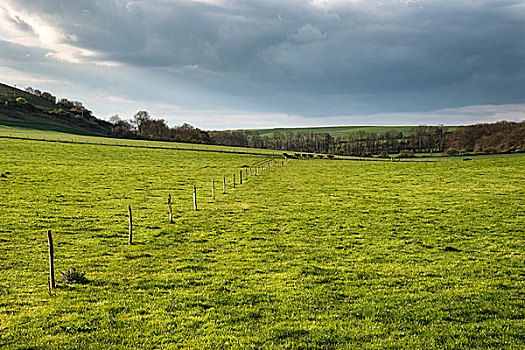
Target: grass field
{"x":314,"y":255}
{"x":45,"y":135}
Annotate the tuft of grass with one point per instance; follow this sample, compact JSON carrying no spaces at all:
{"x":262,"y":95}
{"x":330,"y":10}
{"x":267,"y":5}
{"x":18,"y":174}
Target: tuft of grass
{"x":72,"y":276}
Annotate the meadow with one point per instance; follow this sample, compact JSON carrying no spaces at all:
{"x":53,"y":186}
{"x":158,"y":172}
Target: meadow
{"x":13,"y":132}
{"x":316,"y":254}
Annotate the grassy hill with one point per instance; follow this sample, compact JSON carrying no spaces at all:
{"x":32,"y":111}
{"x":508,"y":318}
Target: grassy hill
{"x":42,"y":114}
{"x":315,"y":254}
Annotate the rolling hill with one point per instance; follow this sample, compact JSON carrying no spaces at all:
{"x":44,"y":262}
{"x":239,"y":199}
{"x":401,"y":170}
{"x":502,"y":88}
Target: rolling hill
{"x":39,"y":113}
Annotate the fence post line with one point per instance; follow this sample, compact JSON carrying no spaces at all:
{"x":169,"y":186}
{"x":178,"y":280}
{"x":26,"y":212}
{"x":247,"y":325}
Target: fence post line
{"x":130,"y":240}
{"x":194,"y":197}
{"x":213,"y":189}
{"x":233,"y":180}
{"x":240,"y":177}
{"x":169,"y":207}
{"x":51,"y":262}
{"x":223,"y":184}
{"x":246,"y":173}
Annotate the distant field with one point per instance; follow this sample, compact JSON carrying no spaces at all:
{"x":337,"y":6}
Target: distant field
{"x":35,"y":134}
{"x":317,"y":254}
{"x":45,"y":135}
{"x":342,"y":130}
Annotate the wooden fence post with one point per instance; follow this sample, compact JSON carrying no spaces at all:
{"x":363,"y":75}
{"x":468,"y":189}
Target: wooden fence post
{"x":169,"y":207}
{"x":130,"y":241}
{"x":51,"y":263}
{"x":213,"y":189}
{"x":194,"y":197}
{"x":240,"y":177}
{"x":233,"y":180}
{"x":246,"y":173}
{"x":223,"y":184}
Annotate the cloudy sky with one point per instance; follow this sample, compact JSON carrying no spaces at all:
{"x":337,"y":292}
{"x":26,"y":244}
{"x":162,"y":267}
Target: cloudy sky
{"x":270,"y":63}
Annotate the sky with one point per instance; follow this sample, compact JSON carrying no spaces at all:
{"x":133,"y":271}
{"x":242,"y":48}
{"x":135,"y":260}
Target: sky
{"x":232,"y":64}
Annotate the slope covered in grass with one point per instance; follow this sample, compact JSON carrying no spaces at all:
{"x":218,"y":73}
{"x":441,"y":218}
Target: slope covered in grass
{"x":42,"y":114}
{"x":317,"y":254}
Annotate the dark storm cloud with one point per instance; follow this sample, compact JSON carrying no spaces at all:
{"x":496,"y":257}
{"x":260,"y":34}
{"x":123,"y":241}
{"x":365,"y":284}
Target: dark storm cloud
{"x":312,"y":57}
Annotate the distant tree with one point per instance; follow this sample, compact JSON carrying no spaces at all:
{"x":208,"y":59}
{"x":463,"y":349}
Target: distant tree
{"x":48,"y":96}
{"x":497,"y":137}
{"x":139,"y":119}
{"x":450,"y":152}
{"x":406,"y":154}
{"x":189,"y":133}
{"x":64,"y":102}
{"x":155,"y":129}
{"x":114,"y":119}
{"x":120,"y":128}
{"x":30,"y":90}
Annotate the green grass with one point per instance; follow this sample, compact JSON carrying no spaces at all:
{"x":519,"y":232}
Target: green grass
{"x":56,"y":136}
{"x":316,"y":254}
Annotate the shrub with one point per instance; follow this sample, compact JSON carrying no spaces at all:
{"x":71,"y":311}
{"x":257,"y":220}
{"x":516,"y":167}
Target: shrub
{"x":406,"y":154}
{"x":450,"y":152}
{"x":21,"y":100}
{"x":71,"y":276}
{"x":383,"y":154}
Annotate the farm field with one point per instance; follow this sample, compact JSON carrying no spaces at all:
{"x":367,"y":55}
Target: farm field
{"x":316,"y":254}
{"x":45,"y":135}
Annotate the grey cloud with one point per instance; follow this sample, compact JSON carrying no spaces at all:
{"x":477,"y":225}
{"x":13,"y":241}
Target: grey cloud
{"x":291,"y":56}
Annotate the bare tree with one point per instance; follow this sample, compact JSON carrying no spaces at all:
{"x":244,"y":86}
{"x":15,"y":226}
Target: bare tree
{"x":139,"y":119}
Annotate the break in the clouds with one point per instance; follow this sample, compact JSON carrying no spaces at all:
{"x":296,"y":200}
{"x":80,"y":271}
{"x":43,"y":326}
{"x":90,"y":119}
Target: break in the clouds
{"x":284,"y":62}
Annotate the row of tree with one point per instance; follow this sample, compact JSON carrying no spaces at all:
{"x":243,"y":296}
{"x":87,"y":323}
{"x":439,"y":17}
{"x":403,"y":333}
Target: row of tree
{"x":45,"y":95}
{"x":480,"y":138}
{"x":75,"y":107}
{"x":142,"y":125}
{"x":361,"y":143}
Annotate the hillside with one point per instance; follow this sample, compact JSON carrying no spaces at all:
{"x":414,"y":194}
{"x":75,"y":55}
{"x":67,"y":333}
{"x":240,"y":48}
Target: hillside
{"x":39,"y":113}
